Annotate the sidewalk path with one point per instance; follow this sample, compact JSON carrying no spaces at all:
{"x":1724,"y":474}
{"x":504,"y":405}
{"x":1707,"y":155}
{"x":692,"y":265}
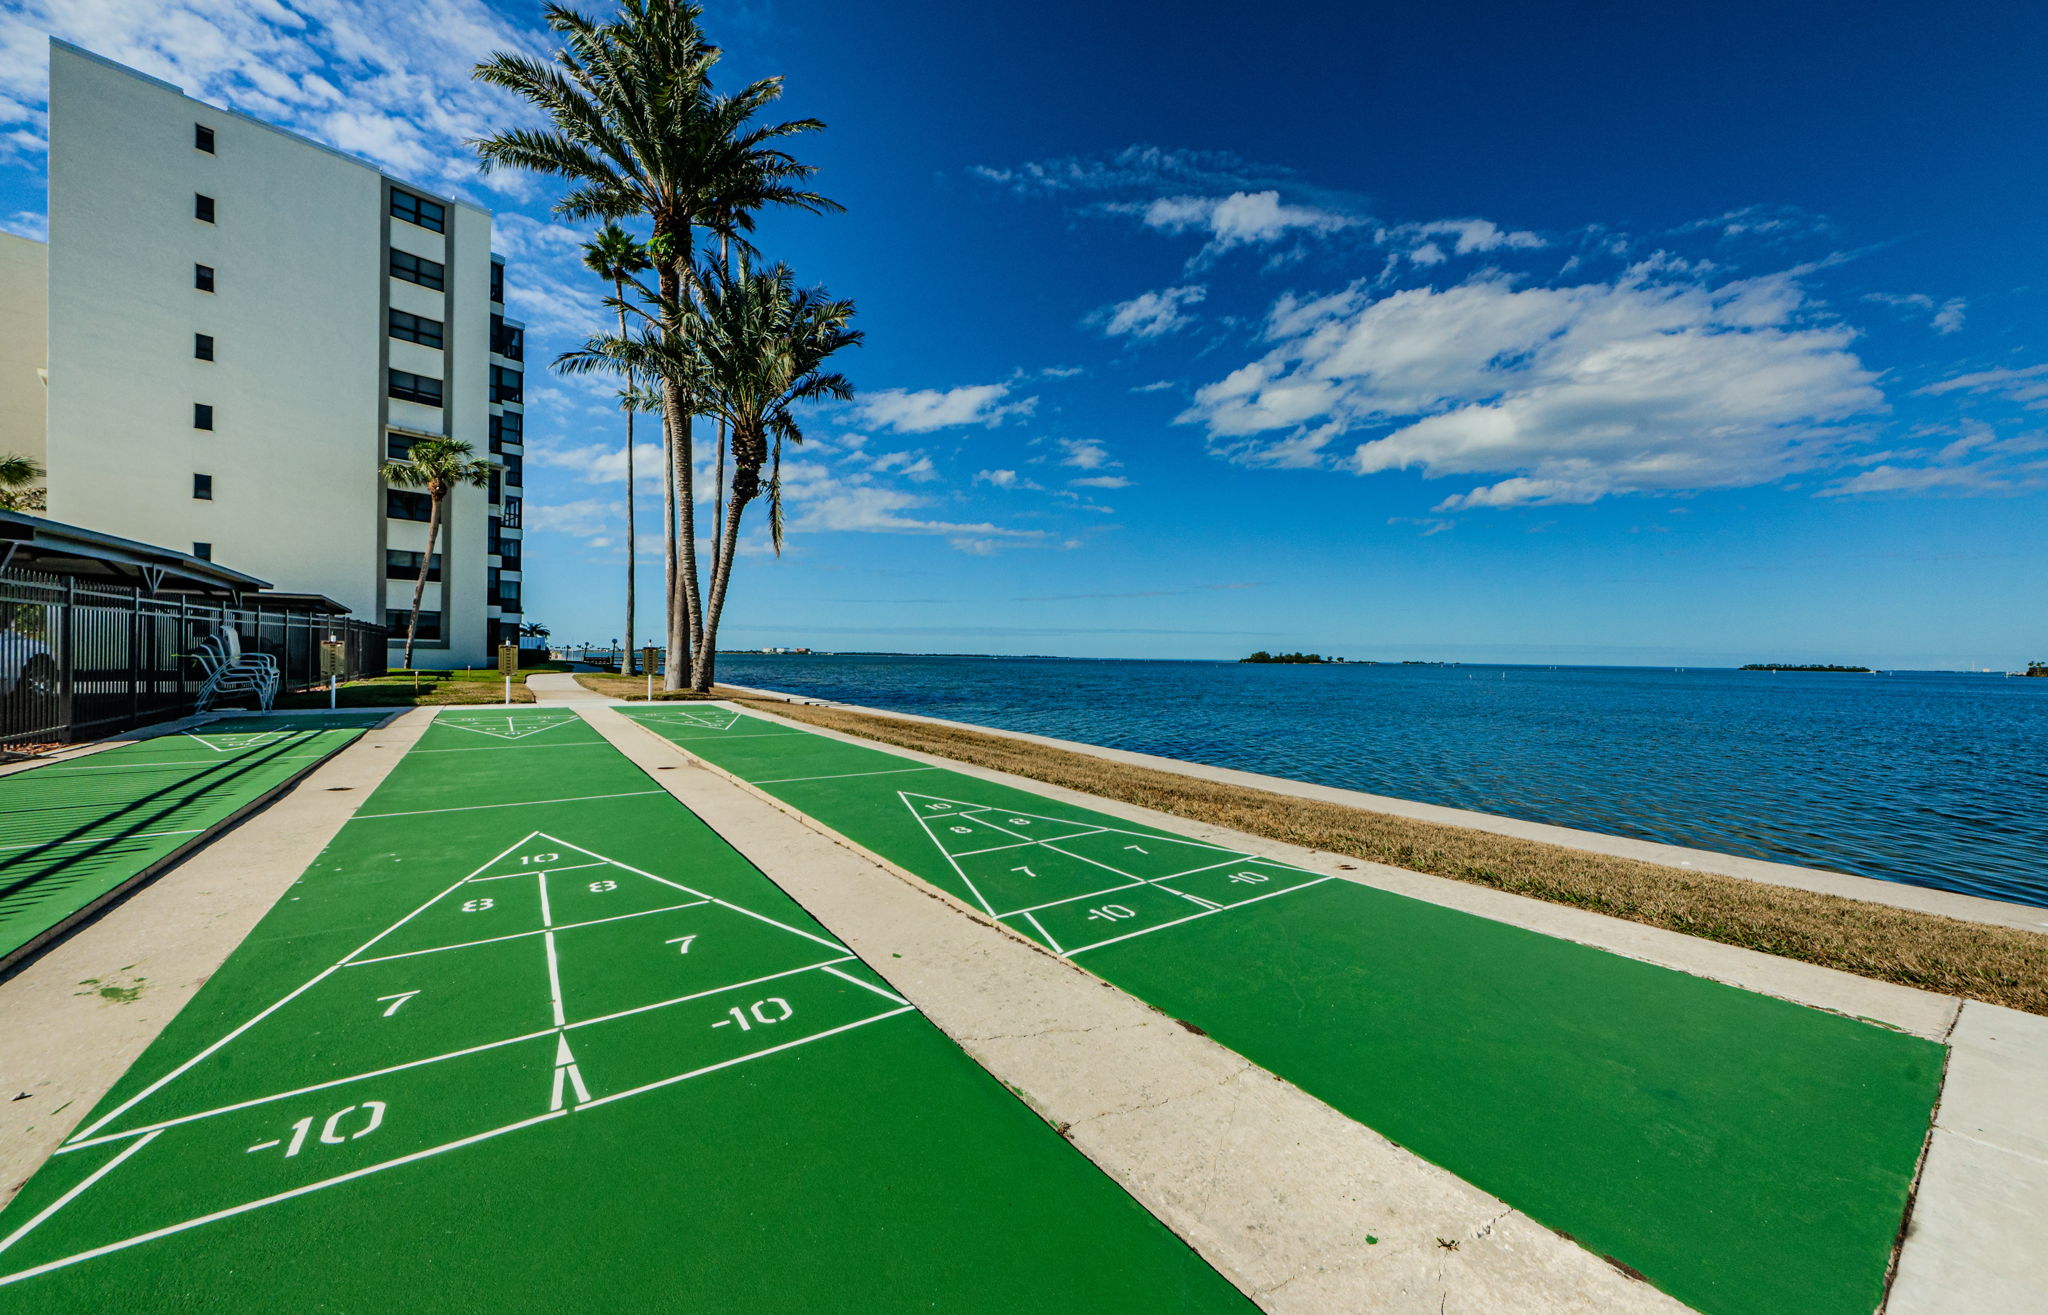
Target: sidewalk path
{"x":562,"y":687}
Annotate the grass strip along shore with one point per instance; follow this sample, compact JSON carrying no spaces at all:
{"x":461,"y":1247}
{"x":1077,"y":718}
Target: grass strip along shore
{"x":79,"y":831}
{"x":528,"y":1033}
{"x":1998,"y":965}
{"x":1748,"y":1155}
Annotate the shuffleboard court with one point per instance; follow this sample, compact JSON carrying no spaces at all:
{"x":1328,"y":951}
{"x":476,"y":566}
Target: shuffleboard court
{"x":528,"y":1036}
{"x":1748,"y":1155}
{"x":75,"y":832}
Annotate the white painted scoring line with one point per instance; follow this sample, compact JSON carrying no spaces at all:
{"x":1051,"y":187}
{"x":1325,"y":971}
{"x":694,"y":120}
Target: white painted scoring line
{"x":144,"y":1135}
{"x":842,"y":776}
{"x":970,"y":809}
{"x":78,"y":1187}
{"x":101,"y":840}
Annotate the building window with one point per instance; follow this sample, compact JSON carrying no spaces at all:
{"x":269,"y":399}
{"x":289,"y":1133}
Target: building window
{"x":405,"y":505}
{"x":398,"y":446}
{"x":202,"y":415}
{"x":202,"y":346}
{"x":419,"y":210}
{"x":507,"y":428}
{"x":203,"y":551}
{"x":507,"y":385}
{"x":507,"y":552}
{"x":507,"y":340}
{"x":202,"y":208}
{"x":498,"y":281}
{"x":202,"y":277}
{"x":406,"y":566}
{"x":396,"y":619}
{"x":202,"y":487}
{"x":408,"y":387}
{"x":418,"y":269}
{"x":515,"y":470}
{"x":511,"y":513}
{"x":408,"y":327}
{"x":504,"y":594}
{"x":202,"y":138}
{"x":497,"y":486}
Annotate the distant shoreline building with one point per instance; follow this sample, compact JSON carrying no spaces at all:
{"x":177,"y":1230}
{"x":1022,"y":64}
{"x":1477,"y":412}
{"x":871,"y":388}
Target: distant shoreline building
{"x":243,"y":324}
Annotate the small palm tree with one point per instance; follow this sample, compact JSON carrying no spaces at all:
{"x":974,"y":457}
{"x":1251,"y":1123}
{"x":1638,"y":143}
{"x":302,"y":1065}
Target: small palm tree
{"x":616,"y":256}
{"x":440,"y":466}
{"x":762,"y":344}
{"x":20,"y":483}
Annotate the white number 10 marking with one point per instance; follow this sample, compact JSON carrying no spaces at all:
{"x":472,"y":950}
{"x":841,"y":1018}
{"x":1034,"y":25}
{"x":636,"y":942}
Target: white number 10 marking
{"x":330,"y":1131}
{"x":772,"y":1010}
{"x":1113,"y":913}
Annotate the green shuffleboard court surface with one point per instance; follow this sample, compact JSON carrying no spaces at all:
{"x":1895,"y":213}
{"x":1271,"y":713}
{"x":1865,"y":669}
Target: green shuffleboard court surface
{"x":72,"y":832}
{"x":529,"y":1036}
{"x":1748,"y":1155}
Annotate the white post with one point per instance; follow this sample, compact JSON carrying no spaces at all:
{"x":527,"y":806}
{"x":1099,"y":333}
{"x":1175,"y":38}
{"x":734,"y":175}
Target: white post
{"x":508,"y":691}
{"x":650,"y":687}
{"x":333,"y":683}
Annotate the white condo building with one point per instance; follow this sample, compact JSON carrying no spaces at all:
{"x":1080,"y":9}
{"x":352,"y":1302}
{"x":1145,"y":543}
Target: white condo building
{"x":243,"y":325}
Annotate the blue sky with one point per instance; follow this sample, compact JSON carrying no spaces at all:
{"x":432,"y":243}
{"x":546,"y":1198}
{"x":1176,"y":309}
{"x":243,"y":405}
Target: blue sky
{"x":1582,"y":332}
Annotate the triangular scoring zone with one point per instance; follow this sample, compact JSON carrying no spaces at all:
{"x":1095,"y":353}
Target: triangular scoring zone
{"x":708,"y":718}
{"x":232,"y":741}
{"x":569,"y":1091}
{"x":510,"y":730}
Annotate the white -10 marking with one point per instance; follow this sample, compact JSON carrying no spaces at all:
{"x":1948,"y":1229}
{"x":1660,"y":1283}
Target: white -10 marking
{"x":1250,"y":878}
{"x":1112,"y":913}
{"x":330,"y":1131}
{"x":764,"y":1012}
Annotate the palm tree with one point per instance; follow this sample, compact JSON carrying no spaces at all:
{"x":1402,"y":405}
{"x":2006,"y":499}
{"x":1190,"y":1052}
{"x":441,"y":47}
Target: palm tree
{"x":636,"y":130}
{"x":615,"y":256}
{"x":440,"y":466}
{"x":762,"y":344}
{"x":20,"y":483}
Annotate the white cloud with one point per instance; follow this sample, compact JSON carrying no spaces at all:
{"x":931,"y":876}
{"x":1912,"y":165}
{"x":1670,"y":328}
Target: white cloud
{"x":1651,"y":383}
{"x":1084,"y":454}
{"x":585,"y":518}
{"x":1465,"y":237}
{"x":1133,"y":167}
{"x":1158,"y":386}
{"x":914,"y":466}
{"x":922,"y":410}
{"x":1239,"y":219}
{"x":1944,"y":316}
{"x":1004,"y":479}
{"x":1150,"y":314}
{"x":2027,"y":385}
{"x":1100,"y":482}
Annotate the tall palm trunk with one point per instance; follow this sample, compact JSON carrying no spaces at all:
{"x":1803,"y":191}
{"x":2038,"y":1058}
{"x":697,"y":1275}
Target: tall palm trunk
{"x":686,"y":603}
{"x":749,"y":450}
{"x":419,"y":585}
{"x":632,"y":547}
{"x":707,"y":645}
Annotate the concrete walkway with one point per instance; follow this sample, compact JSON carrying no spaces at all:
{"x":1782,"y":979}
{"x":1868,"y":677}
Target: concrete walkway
{"x":562,"y":687}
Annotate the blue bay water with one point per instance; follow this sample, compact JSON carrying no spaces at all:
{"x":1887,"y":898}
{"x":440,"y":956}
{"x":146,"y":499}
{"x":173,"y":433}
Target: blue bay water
{"x":1931,"y":778}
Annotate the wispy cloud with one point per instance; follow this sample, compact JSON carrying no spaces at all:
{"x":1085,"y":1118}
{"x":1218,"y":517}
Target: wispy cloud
{"x":2026,"y":385}
{"x":917,"y":411}
{"x":1944,"y":316}
{"x":1149,"y":314}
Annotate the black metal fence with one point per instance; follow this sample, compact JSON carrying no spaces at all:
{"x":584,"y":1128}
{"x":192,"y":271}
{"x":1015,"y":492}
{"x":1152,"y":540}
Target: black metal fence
{"x":81,"y":658}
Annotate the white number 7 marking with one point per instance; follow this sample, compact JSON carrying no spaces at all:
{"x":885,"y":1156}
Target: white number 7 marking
{"x":396,"y":1000}
{"x":683,"y":941}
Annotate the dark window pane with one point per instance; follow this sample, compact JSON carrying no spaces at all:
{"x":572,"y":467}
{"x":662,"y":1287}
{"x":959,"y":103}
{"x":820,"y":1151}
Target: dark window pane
{"x":202,"y":347}
{"x":397,"y":446}
{"x":405,"y":505}
{"x":408,"y":387}
{"x":202,"y":416}
{"x":202,"y":208}
{"x":202,"y":138}
{"x":419,"y":210}
{"x":202,"y":487}
{"x":418,"y":269}
{"x":515,"y":470}
{"x":401,"y":565}
{"x":396,"y":619}
{"x":202,"y":277}
{"x":498,"y":281}
{"x":507,"y":384}
{"x":203,"y":551}
{"x":507,"y":340}
{"x":416,"y":328}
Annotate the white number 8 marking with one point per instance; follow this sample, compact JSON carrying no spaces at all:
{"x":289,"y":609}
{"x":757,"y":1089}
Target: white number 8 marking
{"x":478,"y":905}
{"x":599,"y":887}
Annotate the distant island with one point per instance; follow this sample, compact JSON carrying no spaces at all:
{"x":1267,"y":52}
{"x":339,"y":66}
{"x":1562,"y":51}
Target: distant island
{"x":1803,"y":666}
{"x":1263,"y":656}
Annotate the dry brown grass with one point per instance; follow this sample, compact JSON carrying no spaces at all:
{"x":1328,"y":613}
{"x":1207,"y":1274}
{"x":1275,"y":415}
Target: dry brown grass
{"x":2000,"y":965}
{"x":635,"y":688}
